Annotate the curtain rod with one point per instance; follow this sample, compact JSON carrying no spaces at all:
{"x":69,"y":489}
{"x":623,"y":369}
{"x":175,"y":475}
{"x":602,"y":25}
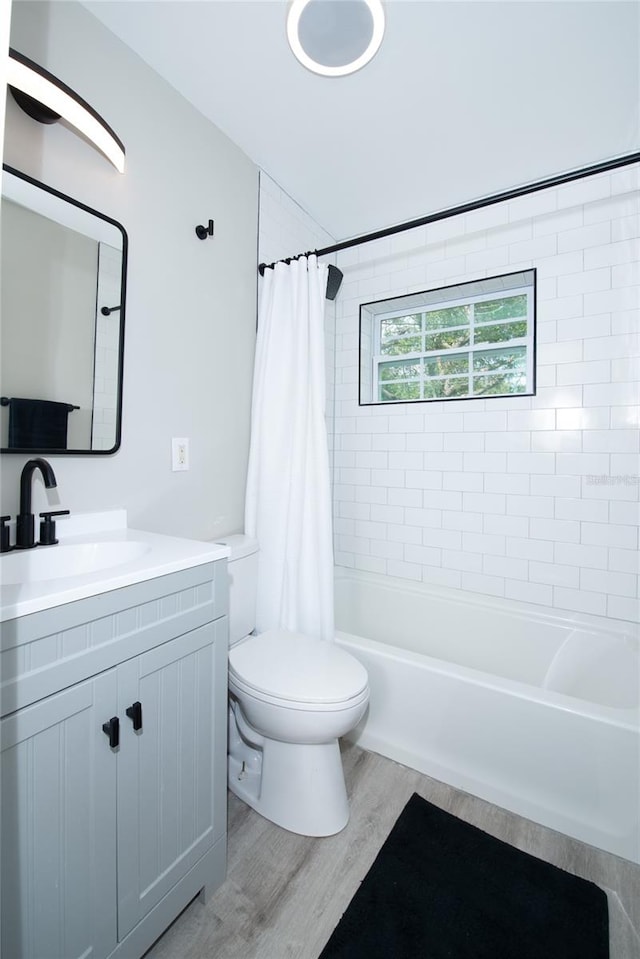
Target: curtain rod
{"x":534,"y":187}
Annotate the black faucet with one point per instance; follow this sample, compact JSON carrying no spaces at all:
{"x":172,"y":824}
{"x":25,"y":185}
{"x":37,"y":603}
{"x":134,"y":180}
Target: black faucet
{"x":25,"y":522}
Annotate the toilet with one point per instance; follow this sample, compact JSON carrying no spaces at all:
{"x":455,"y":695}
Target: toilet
{"x":291,"y":697}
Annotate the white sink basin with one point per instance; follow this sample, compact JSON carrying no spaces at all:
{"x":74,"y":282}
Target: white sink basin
{"x":59,"y":562}
{"x":97,"y":553}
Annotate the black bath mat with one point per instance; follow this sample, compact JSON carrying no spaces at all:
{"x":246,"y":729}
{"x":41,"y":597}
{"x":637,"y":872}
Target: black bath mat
{"x":443,"y":889}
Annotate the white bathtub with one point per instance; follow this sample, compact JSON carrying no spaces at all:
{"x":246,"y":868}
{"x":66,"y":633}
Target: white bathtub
{"x":536,"y":712}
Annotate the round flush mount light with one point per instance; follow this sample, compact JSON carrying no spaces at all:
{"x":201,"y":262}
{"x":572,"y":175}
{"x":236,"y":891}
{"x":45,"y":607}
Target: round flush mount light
{"x":335,"y":37}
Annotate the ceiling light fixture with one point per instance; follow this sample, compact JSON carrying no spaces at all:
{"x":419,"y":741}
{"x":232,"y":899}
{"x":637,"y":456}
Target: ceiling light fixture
{"x":47,"y":99}
{"x":335,"y":37}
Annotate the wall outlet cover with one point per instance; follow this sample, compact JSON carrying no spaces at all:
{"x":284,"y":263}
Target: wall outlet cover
{"x":179,"y":453}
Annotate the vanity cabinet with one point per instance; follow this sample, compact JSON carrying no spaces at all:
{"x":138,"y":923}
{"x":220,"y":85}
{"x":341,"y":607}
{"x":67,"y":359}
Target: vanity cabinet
{"x":103,"y":845}
{"x":58,"y":812}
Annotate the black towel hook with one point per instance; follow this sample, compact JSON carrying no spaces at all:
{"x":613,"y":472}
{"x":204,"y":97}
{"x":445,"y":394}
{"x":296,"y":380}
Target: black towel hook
{"x":202,"y":232}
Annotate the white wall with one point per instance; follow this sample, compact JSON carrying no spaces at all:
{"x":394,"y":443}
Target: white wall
{"x":5,"y":20}
{"x":190,"y":320}
{"x":530,"y":498}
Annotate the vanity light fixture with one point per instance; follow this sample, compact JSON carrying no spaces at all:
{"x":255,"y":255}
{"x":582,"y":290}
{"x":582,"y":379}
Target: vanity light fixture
{"x":47,"y":100}
{"x":335,"y":37}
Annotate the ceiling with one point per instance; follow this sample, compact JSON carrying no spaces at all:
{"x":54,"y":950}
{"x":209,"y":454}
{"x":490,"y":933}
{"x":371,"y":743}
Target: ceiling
{"x":465,"y":98}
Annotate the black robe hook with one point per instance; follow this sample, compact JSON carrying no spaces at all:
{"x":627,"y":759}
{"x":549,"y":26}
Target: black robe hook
{"x":202,"y":232}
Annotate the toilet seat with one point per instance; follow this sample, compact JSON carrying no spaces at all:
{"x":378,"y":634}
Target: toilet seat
{"x":296,"y":670}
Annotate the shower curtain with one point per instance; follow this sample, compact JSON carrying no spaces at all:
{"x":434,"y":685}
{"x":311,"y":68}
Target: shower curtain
{"x":288,"y":502}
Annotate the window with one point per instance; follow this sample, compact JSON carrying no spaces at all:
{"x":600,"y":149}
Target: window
{"x":471,"y":340}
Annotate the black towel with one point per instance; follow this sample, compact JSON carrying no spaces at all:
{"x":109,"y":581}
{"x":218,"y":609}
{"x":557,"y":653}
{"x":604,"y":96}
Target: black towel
{"x":38,"y":424}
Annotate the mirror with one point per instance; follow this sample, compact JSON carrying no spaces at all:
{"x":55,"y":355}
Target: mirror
{"x":62,"y":272}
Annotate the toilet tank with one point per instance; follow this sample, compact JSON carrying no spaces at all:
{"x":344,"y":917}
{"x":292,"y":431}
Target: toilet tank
{"x":243,"y":584}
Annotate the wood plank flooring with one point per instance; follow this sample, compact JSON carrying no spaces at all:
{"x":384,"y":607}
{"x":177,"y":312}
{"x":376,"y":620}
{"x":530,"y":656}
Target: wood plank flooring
{"x":284,"y":894}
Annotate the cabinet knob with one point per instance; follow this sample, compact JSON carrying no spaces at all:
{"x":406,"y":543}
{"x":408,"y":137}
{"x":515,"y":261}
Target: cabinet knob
{"x":112,"y":730}
{"x":134,"y":712}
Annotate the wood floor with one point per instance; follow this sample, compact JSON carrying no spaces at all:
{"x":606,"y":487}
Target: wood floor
{"x":284,"y":894}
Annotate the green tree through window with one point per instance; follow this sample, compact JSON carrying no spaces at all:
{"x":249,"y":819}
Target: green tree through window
{"x":478,"y":344}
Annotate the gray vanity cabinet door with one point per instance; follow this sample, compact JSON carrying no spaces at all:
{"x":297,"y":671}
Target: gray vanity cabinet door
{"x":57,"y":814}
{"x":165,"y":772}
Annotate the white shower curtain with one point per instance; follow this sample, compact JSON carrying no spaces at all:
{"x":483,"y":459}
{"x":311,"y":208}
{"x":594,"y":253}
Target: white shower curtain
{"x":288,"y":504}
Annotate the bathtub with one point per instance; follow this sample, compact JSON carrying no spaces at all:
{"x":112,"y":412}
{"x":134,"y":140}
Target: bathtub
{"x":536,"y":712}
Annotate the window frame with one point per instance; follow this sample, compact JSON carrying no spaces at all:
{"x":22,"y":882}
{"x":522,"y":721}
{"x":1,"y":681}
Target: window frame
{"x":433,"y":303}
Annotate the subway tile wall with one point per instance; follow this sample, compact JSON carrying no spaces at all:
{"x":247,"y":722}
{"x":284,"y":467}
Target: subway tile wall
{"x":528,"y":498}
{"x":285,"y":229}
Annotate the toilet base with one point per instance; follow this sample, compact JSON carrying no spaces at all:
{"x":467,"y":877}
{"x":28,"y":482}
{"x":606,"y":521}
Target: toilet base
{"x":298,"y":787}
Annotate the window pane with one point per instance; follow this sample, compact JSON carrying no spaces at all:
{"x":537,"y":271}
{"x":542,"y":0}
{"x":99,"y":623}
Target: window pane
{"x":396,"y":326}
{"x":451,"y":343}
{"x":399,"y":370}
{"x":445,"y":389}
{"x":402,"y":346}
{"x":444,"y":365}
{"x":399,"y":391}
{"x":506,"y":308}
{"x":500,"y":383}
{"x":500,"y":332}
{"x":450,"y":316}
{"x":446,"y":341}
{"x":490,"y":360}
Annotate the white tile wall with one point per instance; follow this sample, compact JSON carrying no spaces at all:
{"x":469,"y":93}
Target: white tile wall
{"x":285,"y":229}
{"x":531,"y":498}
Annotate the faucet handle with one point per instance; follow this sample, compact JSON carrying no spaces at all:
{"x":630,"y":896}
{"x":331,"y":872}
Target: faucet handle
{"x":5,"y":542}
{"x":48,"y":527}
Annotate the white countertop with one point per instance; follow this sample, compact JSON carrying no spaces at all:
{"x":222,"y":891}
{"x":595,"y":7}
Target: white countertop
{"x":160,"y":555}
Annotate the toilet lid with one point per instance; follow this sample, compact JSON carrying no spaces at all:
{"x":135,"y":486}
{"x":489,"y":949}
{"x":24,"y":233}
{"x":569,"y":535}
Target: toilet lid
{"x":297,"y":668}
